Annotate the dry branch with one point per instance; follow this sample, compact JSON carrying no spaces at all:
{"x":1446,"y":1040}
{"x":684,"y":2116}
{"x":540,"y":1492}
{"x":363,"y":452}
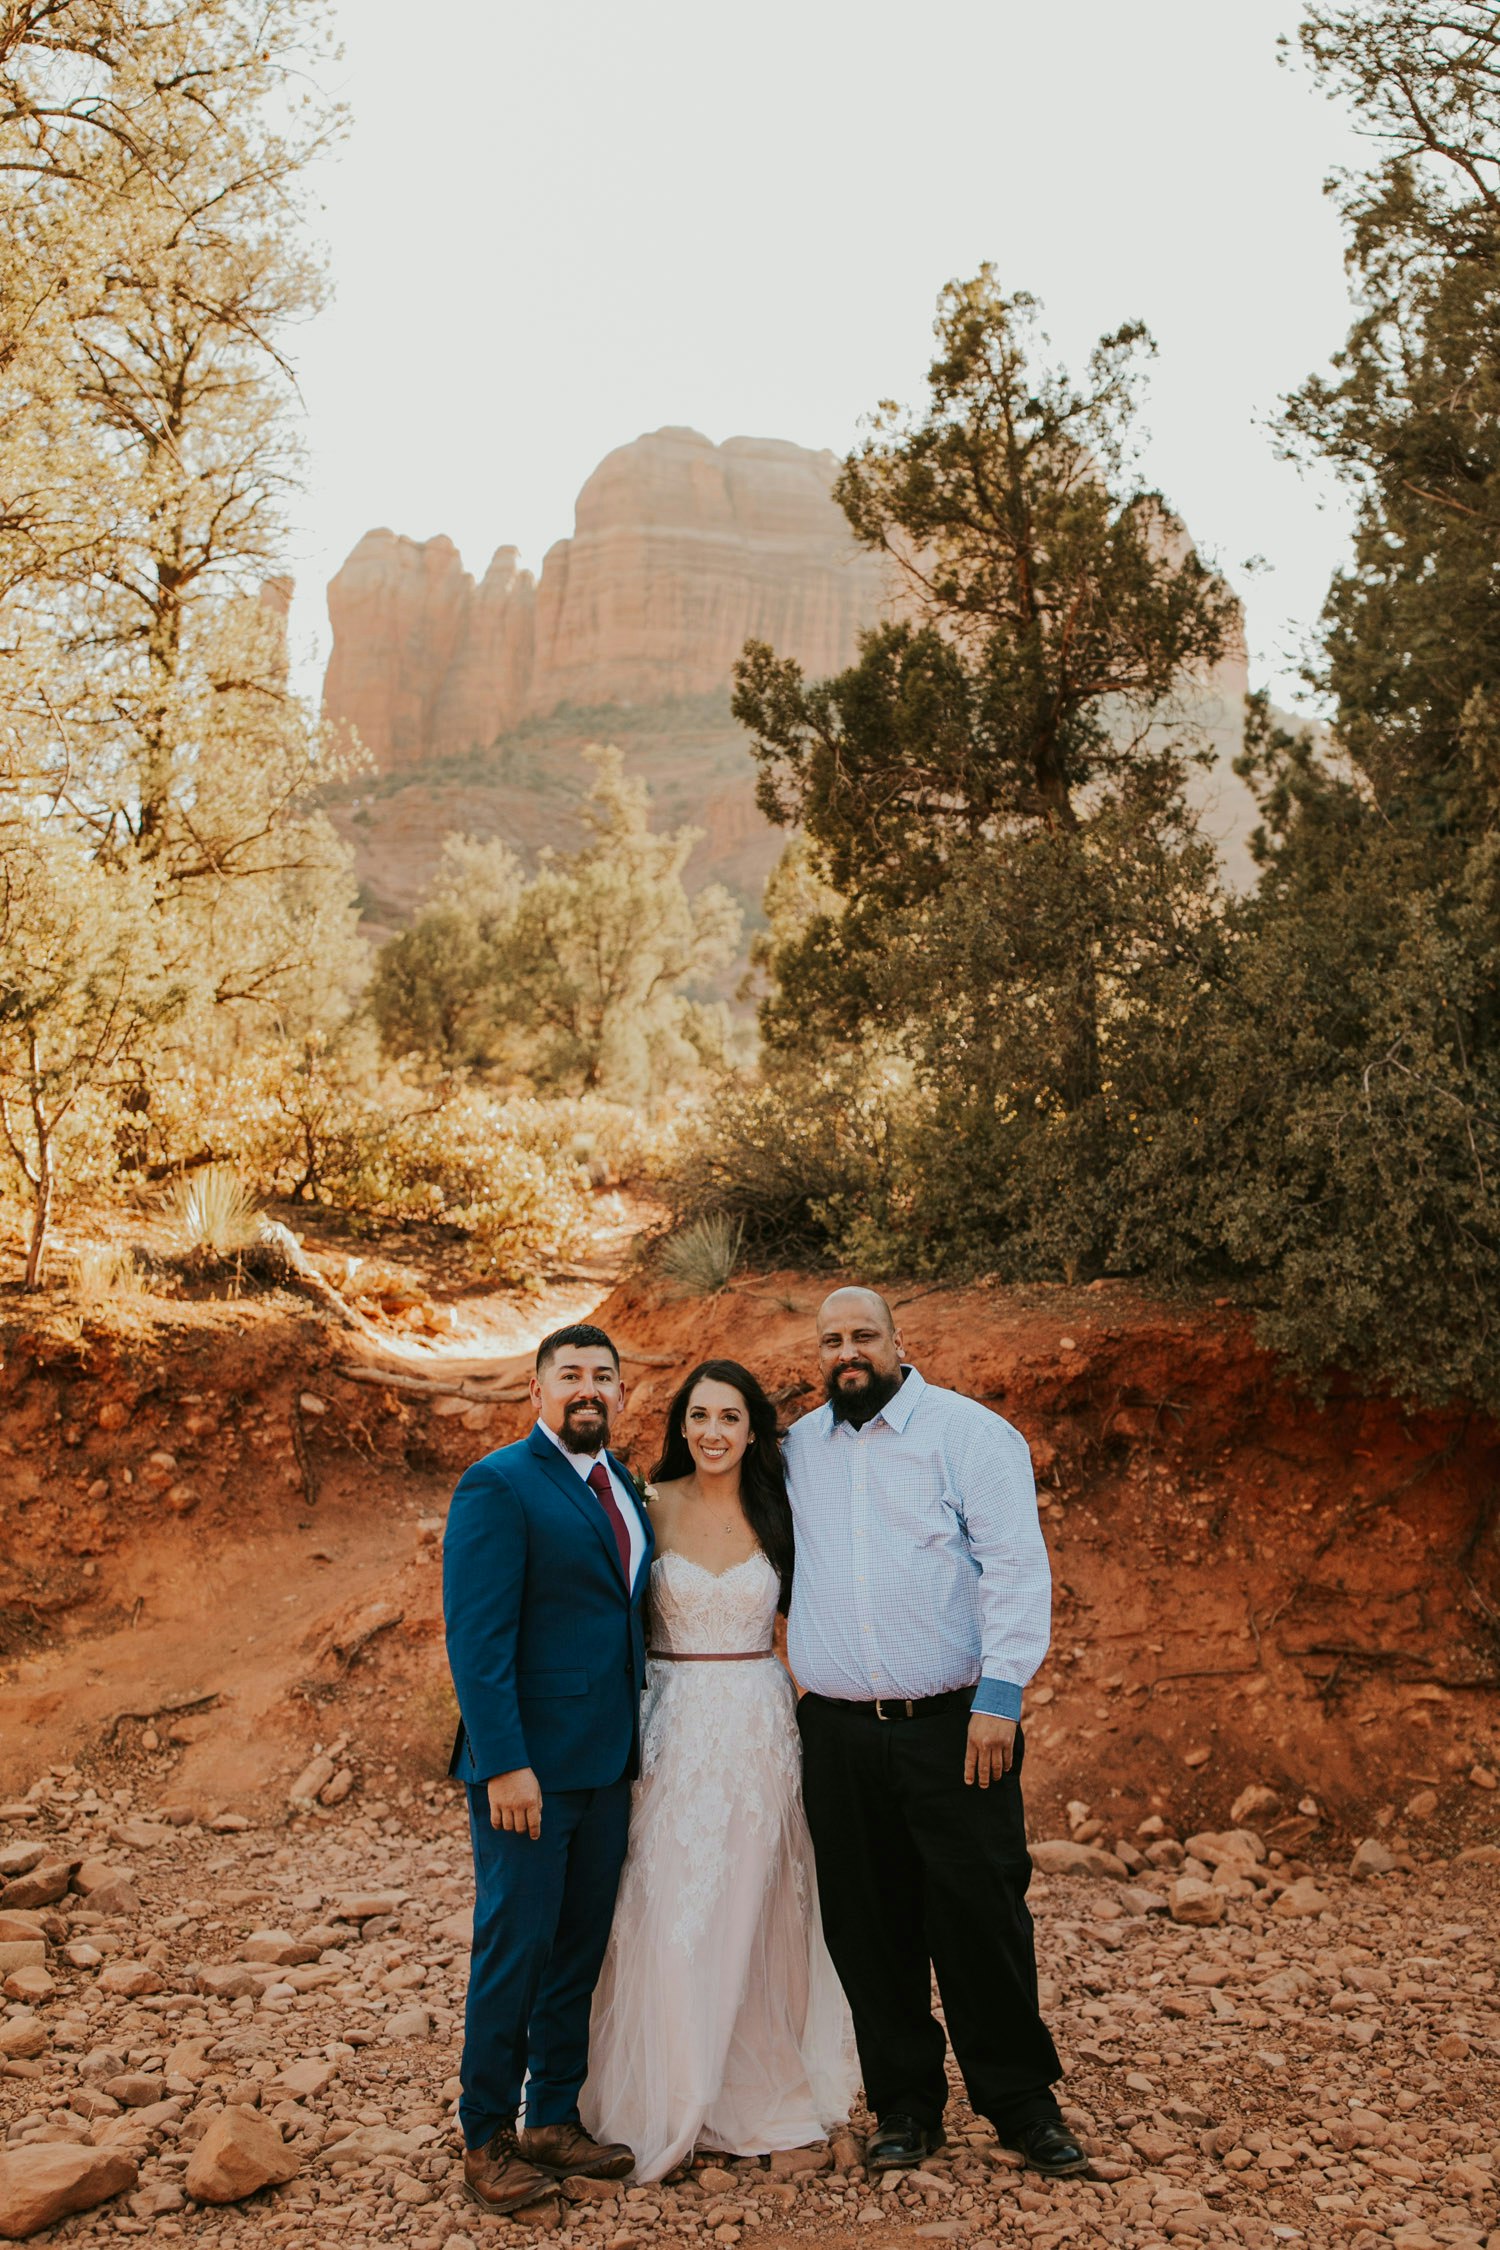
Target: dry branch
{"x":179,"y":1703}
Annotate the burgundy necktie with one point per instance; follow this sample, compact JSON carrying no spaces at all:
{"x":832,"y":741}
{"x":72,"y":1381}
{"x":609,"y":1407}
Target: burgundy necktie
{"x":603,"y":1492}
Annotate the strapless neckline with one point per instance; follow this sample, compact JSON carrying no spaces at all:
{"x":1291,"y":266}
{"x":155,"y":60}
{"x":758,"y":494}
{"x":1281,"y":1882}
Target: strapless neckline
{"x":674,"y":1554}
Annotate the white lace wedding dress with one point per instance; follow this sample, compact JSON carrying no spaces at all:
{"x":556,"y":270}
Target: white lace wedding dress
{"x":718,"y":2021}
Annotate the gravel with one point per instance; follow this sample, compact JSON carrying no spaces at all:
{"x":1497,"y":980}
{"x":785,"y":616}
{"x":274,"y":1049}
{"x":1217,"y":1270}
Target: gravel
{"x":1309,"y":2056}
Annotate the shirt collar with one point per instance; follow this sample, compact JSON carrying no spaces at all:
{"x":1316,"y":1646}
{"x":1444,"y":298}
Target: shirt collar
{"x":896,"y":1411}
{"x":581,"y":1462}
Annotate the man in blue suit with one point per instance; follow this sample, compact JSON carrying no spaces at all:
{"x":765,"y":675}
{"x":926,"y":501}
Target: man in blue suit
{"x":545,"y":1558}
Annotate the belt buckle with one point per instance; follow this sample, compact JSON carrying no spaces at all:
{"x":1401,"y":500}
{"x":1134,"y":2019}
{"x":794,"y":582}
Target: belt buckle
{"x":889,"y":1716}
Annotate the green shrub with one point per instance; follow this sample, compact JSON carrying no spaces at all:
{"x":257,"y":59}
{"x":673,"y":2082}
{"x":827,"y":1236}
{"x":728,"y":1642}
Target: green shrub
{"x":808,"y":1161}
{"x":461,"y":1163}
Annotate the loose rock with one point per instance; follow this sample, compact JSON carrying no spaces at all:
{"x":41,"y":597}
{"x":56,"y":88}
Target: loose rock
{"x":1301,"y":1897}
{"x":1058,"y":1856}
{"x":41,"y":2184}
{"x":240,"y":2152}
{"x":1195,"y":1902}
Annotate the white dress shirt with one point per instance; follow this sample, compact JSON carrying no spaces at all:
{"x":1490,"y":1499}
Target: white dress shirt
{"x":629,"y":1506}
{"x":921,"y":1565}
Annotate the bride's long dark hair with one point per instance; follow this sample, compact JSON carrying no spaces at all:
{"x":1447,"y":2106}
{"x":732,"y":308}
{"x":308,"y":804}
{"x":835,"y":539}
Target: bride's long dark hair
{"x":762,"y":1477}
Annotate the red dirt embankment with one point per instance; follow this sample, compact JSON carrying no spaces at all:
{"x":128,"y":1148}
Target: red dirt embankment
{"x":1251,"y":1587}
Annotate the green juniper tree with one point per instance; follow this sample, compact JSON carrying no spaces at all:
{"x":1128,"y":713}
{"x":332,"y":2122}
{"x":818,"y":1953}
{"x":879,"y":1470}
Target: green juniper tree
{"x":1357,"y":1094}
{"x":1015,"y":900}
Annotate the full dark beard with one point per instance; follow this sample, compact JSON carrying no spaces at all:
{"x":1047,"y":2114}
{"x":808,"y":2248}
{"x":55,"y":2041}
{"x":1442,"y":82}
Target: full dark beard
{"x":596,"y":1436}
{"x":862,"y":1405}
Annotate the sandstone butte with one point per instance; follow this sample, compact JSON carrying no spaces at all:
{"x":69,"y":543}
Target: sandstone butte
{"x":681,"y":551}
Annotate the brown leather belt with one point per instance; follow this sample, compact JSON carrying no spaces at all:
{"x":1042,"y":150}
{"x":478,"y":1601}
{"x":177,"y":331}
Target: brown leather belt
{"x":699,"y":1656}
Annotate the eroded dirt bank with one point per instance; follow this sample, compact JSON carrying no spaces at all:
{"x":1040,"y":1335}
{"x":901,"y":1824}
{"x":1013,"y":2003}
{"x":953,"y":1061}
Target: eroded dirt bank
{"x":1249,"y":1587}
{"x":240,"y":1503}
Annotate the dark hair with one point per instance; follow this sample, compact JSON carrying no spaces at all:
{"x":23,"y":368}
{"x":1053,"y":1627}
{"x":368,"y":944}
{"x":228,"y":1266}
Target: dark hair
{"x":762,"y":1477}
{"x":580,"y":1332}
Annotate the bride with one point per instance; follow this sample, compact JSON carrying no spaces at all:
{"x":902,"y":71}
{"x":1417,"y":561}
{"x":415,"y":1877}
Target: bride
{"x":718,"y":2021}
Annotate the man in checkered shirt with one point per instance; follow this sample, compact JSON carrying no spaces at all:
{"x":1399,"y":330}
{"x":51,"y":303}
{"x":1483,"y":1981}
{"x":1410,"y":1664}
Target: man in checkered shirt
{"x":921,"y":1606}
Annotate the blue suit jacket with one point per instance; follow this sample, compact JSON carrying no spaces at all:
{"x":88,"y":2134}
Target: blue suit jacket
{"x":545,"y":1641}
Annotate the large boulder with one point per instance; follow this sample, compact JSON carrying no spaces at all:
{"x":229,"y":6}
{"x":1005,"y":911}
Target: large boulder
{"x":51,"y":2180}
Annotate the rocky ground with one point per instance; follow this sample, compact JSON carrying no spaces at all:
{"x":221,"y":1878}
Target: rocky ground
{"x":231,"y":2030}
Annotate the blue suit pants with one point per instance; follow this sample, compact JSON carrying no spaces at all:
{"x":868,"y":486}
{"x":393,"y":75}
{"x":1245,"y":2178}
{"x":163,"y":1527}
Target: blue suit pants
{"x":542,"y":1912}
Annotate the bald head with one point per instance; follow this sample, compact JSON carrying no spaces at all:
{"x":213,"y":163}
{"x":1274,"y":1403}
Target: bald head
{"x":859,"y":1353}
{"x":856,"y":1300}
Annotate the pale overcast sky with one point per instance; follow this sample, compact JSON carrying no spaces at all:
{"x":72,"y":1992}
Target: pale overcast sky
{"x":557,"y":225}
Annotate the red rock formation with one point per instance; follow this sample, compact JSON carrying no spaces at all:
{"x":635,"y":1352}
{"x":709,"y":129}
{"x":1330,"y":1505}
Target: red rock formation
{"x":423,"y":663}
{"x":682,"y":551}
{"x":488,"y":680}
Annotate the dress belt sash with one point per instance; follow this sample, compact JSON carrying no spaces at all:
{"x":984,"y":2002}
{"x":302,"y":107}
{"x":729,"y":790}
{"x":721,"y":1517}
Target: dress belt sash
{"x":701,"y":1656}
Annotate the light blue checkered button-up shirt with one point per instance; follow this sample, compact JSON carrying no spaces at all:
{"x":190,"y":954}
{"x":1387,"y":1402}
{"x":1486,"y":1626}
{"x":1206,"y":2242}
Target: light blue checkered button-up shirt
{"x":921,"y":1565}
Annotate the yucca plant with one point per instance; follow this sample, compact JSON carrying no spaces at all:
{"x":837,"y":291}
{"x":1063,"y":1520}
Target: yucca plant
{"x":212,"y":1210}
{"x":701,"y":1259}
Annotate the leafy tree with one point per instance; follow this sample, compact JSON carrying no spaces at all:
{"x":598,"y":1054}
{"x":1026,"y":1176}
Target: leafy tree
{"x":152,"y":154}
{"x":992,"y":796}
{"x":432,"y":990}
{"x":1355,"y":1099}
{"x":153,"y":270}
{"x":1410,"y":416}
{"x":580,"y":977}
{"x":82,"y":989}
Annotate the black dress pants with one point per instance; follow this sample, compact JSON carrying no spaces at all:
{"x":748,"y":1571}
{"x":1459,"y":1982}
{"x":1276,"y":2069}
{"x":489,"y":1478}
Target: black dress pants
{"x":919,"y":1871}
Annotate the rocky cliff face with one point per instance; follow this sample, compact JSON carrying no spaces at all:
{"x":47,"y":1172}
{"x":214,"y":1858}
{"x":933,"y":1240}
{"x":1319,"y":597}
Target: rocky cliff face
{"x":424,"y":662}
{"x":682,"y":550}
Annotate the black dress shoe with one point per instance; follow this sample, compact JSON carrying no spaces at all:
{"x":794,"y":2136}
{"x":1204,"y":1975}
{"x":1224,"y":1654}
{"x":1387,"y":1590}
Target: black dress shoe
{"x":1049,"y":2147}
{"x":899,"y":2140}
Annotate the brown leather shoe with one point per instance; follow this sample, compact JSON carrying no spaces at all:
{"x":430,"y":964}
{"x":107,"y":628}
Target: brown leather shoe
{"x":498,"y":2178}
{"x":569,"y":2153}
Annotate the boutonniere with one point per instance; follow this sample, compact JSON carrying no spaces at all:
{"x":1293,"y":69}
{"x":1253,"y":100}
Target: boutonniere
{"x":645,"y":1493}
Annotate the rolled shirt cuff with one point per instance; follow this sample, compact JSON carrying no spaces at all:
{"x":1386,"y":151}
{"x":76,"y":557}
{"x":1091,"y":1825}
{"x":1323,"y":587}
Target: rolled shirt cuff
{"x":997,"y":1699}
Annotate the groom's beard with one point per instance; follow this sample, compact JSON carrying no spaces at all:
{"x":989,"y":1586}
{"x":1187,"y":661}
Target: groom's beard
{"x":856,"y":1393}
{"x":585,"y":1427}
